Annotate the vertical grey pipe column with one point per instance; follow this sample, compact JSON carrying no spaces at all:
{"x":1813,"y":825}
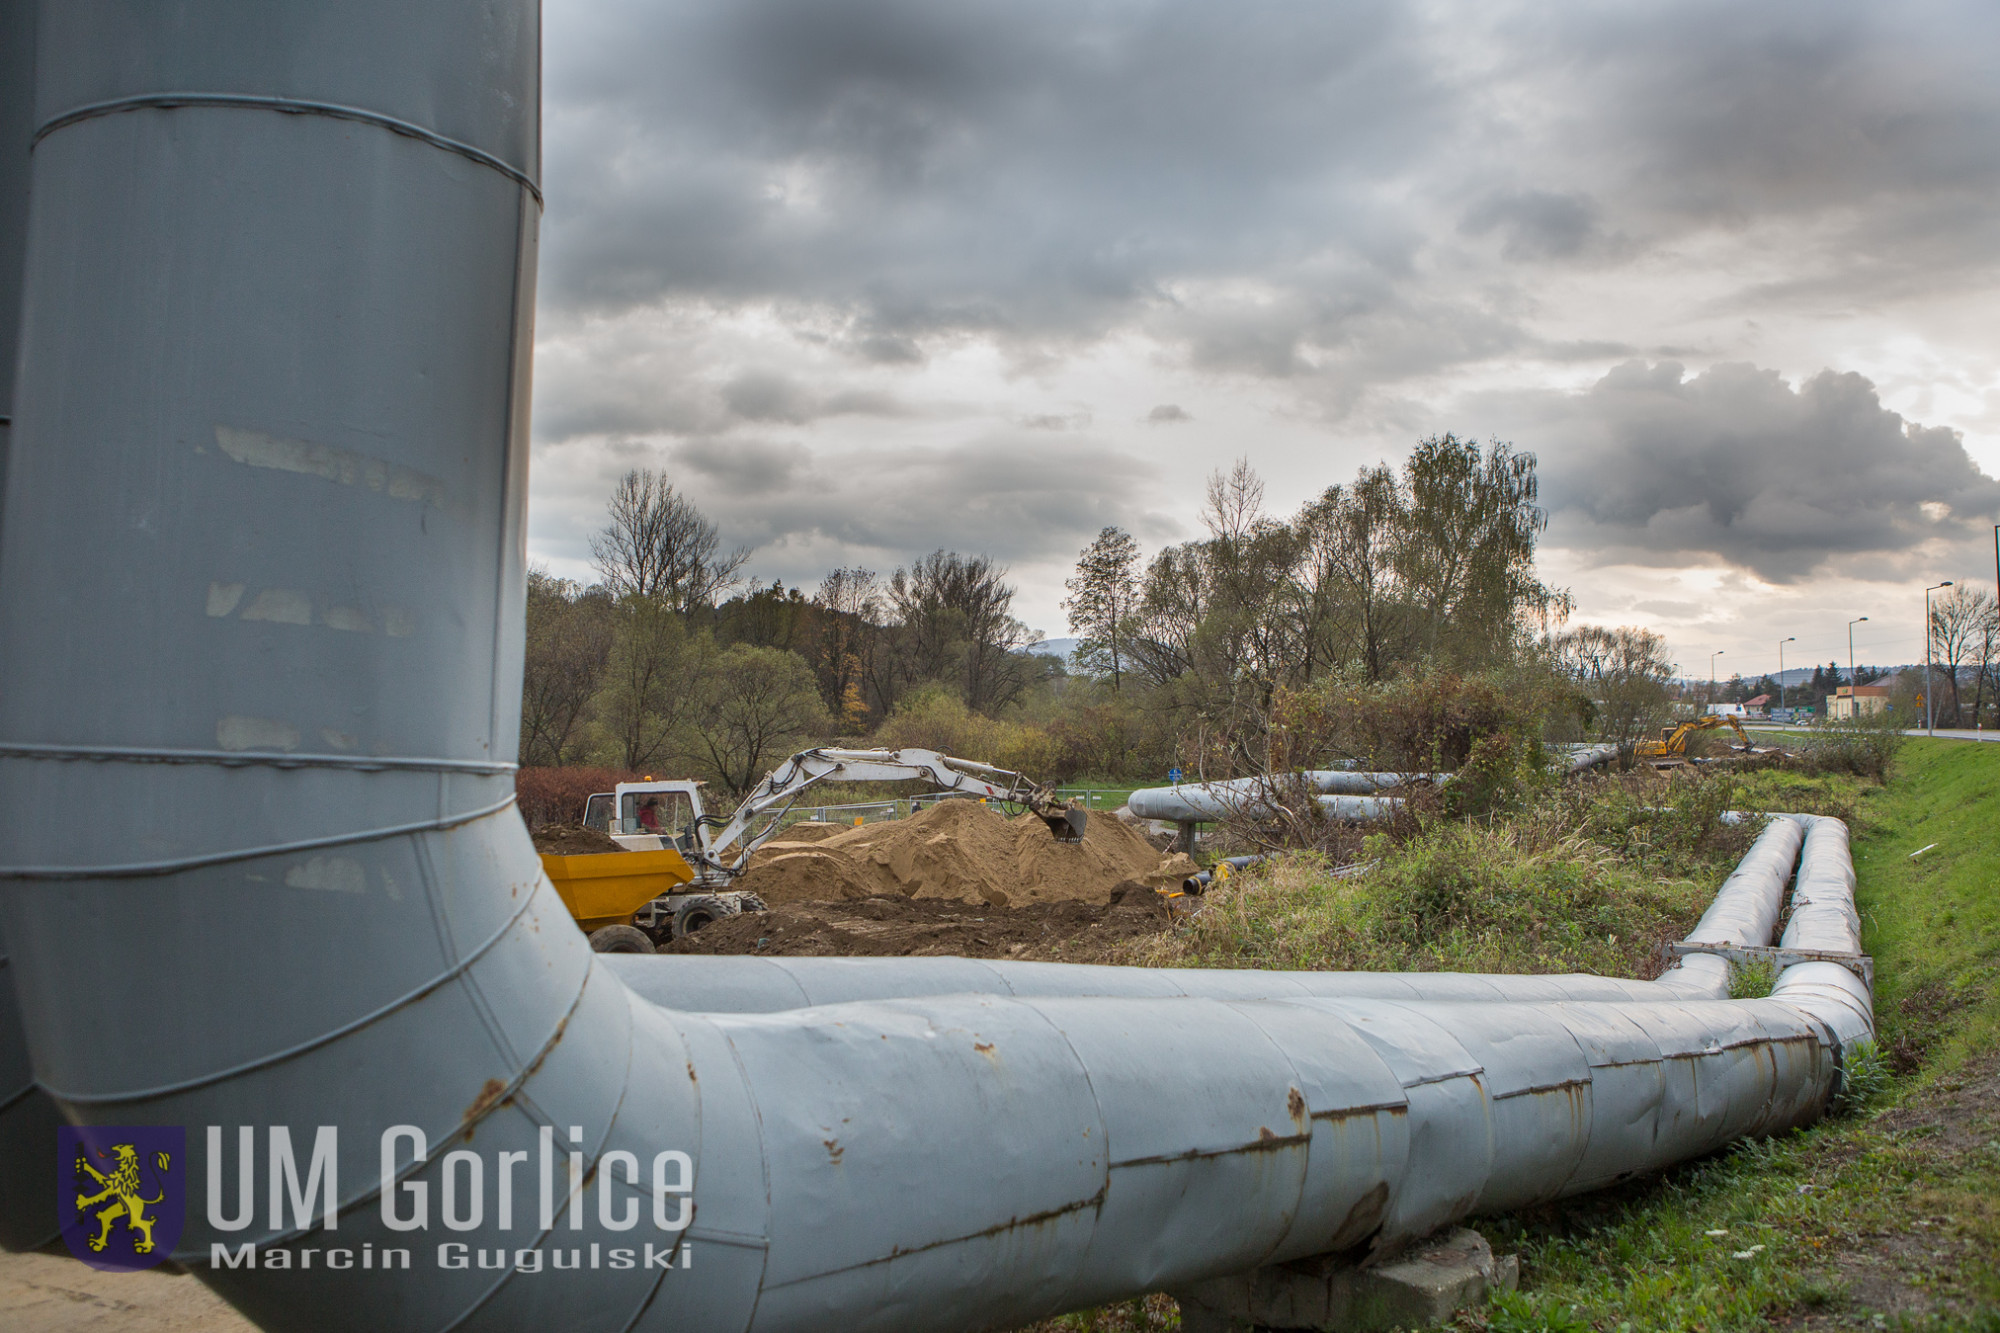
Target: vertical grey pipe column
{"x":28,"y":1119}
{"x":17,"y":124}
{"x":260,"y":628}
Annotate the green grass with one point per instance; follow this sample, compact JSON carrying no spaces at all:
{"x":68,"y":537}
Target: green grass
{"x":1461,"y":897}
{"x":1108,"y":795}
{"x":1593,"y":877}
{"x":1887,"y":1216}
{"x":1933,"y":923}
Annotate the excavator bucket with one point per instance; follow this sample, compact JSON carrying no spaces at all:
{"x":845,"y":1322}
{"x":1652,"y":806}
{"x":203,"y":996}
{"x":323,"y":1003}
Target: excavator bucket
{"x":1068,"y":824}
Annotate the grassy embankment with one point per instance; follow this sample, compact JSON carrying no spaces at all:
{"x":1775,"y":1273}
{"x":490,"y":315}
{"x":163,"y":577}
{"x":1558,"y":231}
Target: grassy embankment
{"x":1885,"y":1217}
{"x":1888,"y":1218}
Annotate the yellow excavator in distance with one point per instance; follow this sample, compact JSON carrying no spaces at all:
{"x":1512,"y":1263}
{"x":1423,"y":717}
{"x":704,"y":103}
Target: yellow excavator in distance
{"x":1673,"y":742}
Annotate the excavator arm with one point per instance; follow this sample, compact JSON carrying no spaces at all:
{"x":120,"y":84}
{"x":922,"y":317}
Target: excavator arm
{"x":1673,"y":741}
{"x":757,"y":818}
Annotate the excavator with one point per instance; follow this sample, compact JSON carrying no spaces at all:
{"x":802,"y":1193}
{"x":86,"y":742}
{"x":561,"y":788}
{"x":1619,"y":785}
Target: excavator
{"x":681,"y":860}
{"x":1673,"y":742}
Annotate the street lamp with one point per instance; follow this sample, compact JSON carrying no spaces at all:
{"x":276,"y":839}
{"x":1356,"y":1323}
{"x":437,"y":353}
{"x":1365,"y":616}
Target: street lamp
{"x":1711,"y":674}
{"x":1853,"y":680}
{"x":1781,"y":667}
{"x":1930,"y":703}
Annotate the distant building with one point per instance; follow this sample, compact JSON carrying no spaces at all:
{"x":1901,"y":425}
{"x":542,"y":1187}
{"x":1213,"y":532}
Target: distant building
{"x":1727,"y":710}
{"x":1850,"y":701}
{"x":1756,"y":707}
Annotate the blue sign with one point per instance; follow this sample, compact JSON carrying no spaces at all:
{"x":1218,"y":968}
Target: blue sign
{"x":1173,"y":775}
{"x":121,"y":1193}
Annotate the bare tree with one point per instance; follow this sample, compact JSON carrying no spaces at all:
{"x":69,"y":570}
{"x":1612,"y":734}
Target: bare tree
{"x":1235,"y":502}
{"x":568,"y":642}
{"x":1624,"y":672}
{"x":1172,"y":607}
{"x":850,"y":602}
{"x":1959,"y":630}
{"x":1989,"y":641}
{"x":1104,"y":596}
{"x":1351,"y":597}
{"x":954,"y":625}
{"x":660,"y":547}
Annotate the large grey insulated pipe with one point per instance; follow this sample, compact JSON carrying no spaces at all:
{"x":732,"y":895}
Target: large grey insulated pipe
{"x":1342,"y":794}
{"x":28,"y":1119}
{"x":260,"y":588}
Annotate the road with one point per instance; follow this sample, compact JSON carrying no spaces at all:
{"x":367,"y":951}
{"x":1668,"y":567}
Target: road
{"x":1943,"y":734}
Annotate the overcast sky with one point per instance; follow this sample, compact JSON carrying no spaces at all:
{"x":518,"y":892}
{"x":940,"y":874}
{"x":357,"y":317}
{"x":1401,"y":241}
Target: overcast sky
{"x":869,"y":277}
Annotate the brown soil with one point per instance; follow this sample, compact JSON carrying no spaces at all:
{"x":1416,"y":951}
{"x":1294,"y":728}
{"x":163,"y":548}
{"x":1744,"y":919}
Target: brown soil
{"x":895,"y":926}
{"x":959,"y":850}
{"x":812,"y":830}
{"x":572,"y":840}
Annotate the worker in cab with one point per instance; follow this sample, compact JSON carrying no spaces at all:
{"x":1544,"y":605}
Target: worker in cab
{"x":649,"y":815}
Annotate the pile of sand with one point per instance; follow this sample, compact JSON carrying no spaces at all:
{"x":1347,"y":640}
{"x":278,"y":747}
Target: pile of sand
{"x":962,"y":850}
{"x":810,"y":830}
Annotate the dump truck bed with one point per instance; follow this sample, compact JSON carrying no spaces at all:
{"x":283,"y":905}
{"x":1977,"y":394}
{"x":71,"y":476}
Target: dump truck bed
{"x":606,"y":888}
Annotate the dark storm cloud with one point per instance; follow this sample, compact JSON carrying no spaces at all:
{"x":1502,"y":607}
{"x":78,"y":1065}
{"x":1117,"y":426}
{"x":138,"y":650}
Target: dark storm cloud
{"x":1036,"y":168}
{"x":1729,"y":111}
{"x":1657,"y":467}
{"x":1537,"y":224}
{"x":1349,"y":203}
{"x":1870,"y":131}
{"x":1017,"y":498}
{"x":762,"y":395}
{"x":753,"y":466}
{"x":1027,"y":167}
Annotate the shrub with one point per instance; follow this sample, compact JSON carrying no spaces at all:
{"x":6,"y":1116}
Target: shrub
{"x":1530,"y":896}
{"x":1435,"y":721}
{"x":557,"y":795}
{"x":1864,"y":1076}
{"x":933,"y":718}
{"x":1864,"y":746}
{"x":1485,"y":729}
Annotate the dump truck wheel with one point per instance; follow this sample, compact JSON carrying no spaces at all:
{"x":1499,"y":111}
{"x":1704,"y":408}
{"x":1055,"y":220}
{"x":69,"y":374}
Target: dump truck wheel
{"x":750,"y":902}
{"x":620,"y":939}
{"x":692,"y":913}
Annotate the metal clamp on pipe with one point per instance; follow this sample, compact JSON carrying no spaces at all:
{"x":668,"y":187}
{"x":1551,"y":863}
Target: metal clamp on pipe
{"x":1860,"y":964}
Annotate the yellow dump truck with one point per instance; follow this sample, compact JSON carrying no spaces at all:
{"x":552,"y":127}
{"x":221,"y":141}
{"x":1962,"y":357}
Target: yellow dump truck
{"x":627,"y":902}
{"x":679,"y":863}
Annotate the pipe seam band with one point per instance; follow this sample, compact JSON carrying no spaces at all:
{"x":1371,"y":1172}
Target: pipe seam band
{"x":288,"y":106}
{"x":139,"y":754}
{"x":403,"y":1001}
{"x":462,"y":1133}
{"x":138,"y":869}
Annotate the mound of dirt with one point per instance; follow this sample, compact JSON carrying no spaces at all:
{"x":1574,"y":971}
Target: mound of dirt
{"x":811,"y":830}
{"x":1069,"y":931}
{"x":798,"y":837}
{"x":572,"y":840}
{"x":960,"y":850}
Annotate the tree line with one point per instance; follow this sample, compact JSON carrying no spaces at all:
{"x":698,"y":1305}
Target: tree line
{"x":1214,"y":653}
{"x":670,"y":661}
{"x":1429,"y":567}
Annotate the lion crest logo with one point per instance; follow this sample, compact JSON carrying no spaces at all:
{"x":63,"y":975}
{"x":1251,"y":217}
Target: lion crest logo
{"x":123,"y":1193}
